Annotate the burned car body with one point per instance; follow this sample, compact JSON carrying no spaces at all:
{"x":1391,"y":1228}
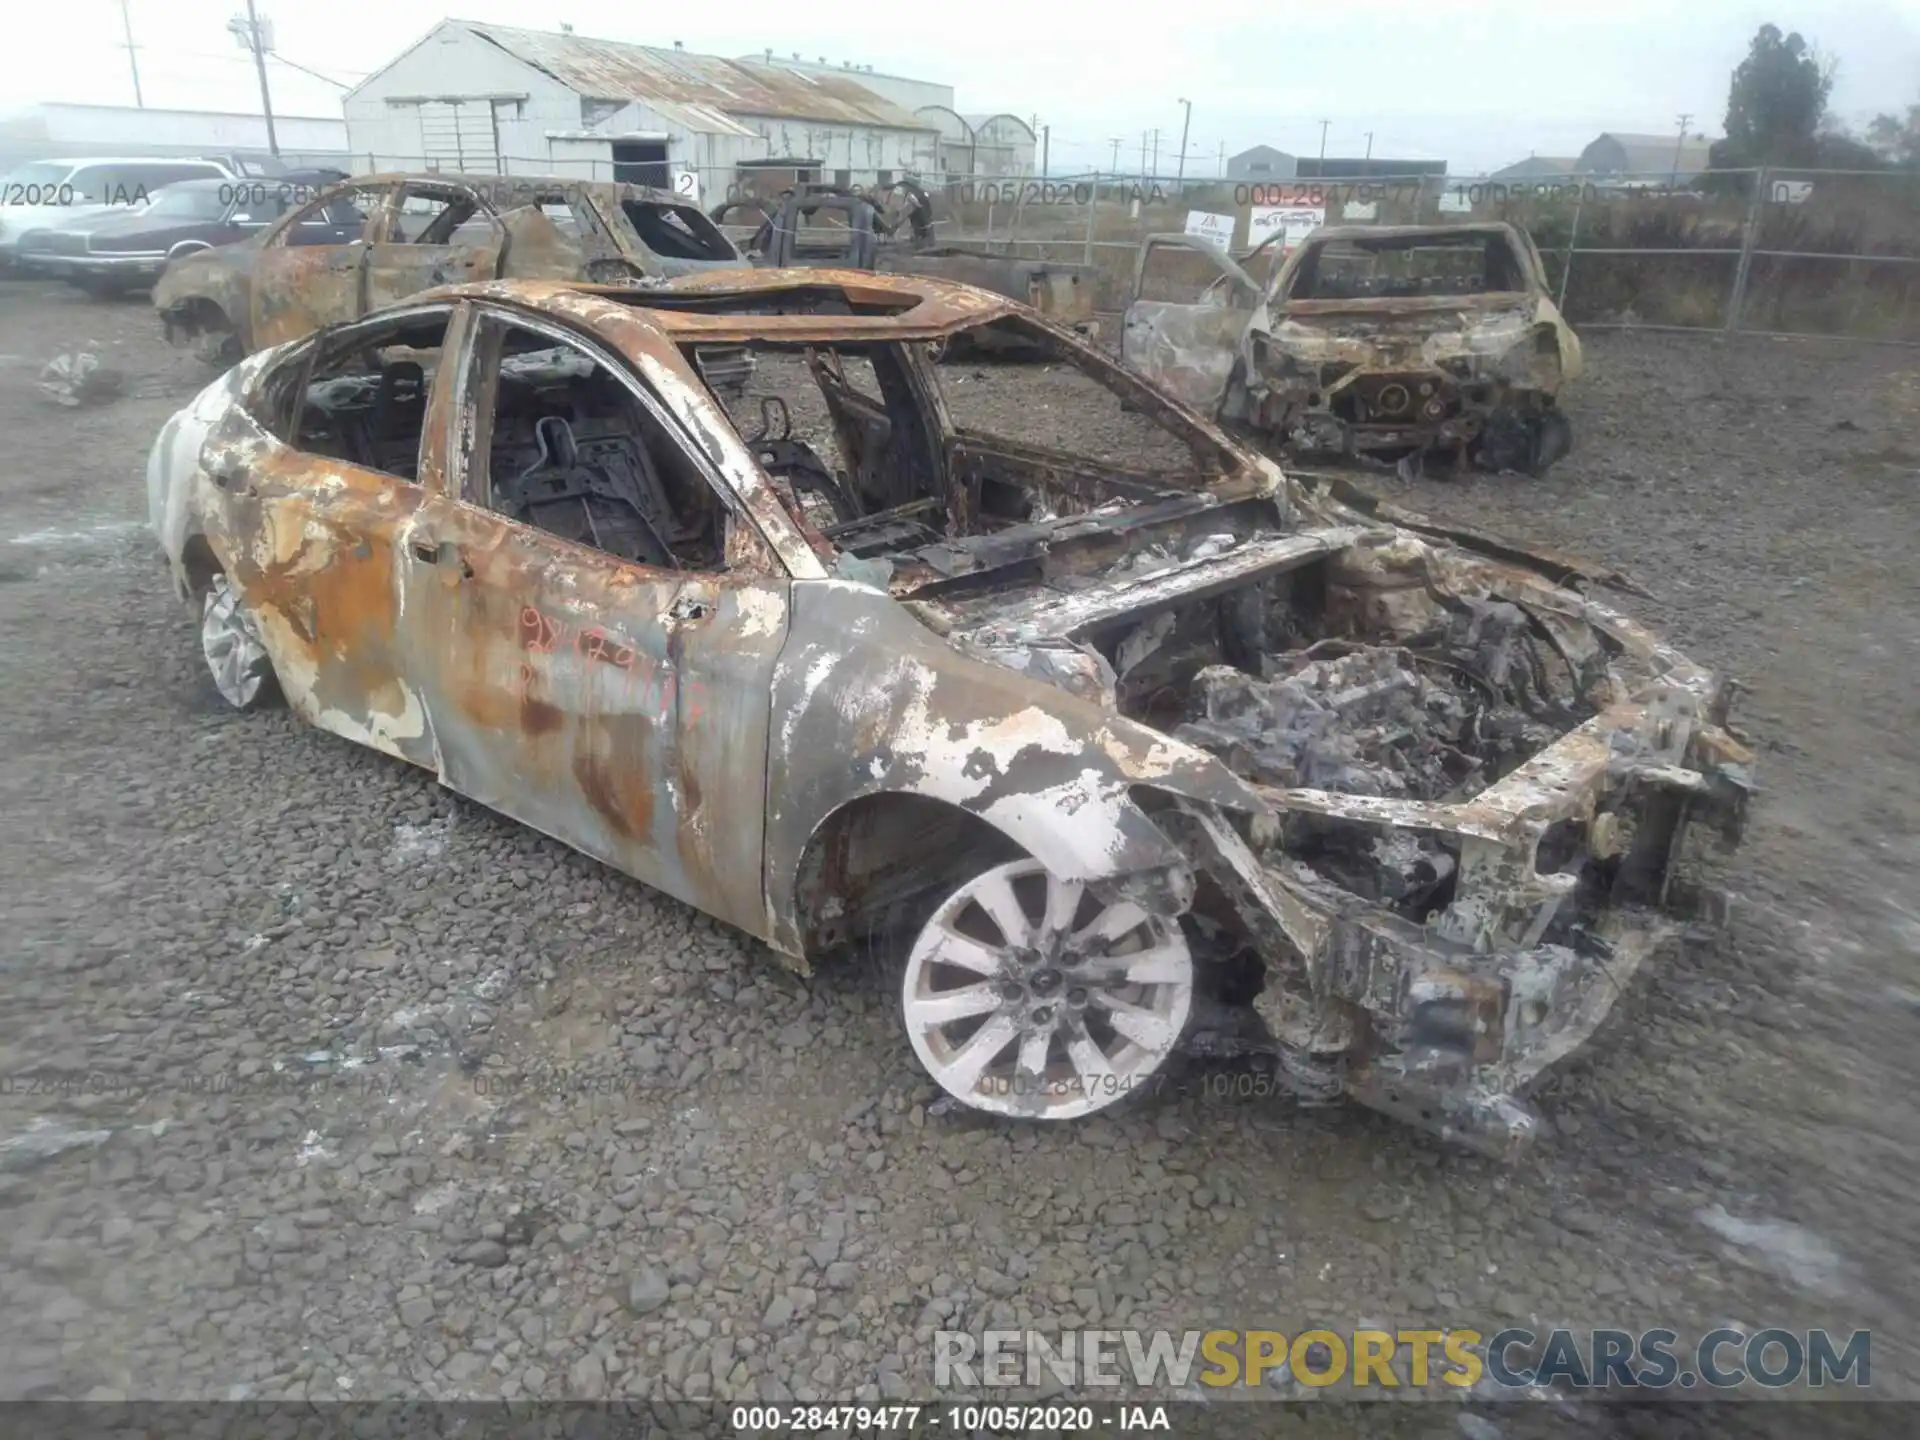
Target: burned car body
{"x":1375,"y":342}
{"x":351,"y":248}
{"x":837,"y":229}
{"x":118,"y":250}
{"x":1095,"y":740}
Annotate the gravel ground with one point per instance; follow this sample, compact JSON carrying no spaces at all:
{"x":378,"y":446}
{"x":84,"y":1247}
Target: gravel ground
{"x":317,"y":1081}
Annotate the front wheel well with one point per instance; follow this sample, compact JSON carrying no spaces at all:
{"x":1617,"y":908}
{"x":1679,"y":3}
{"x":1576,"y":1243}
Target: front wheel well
{"x":874,"y":868}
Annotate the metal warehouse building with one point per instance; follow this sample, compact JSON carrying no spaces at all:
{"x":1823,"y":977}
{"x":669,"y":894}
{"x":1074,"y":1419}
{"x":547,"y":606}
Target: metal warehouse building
{"x":491,"y":98}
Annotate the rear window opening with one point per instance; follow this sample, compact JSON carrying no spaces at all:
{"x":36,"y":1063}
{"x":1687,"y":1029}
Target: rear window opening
{"x":1407,"y":267}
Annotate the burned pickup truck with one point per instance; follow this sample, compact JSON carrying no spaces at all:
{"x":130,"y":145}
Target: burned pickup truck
{"x":1378,"y":343}
{"x":1096,"y":731}
{"x":893,"y":232}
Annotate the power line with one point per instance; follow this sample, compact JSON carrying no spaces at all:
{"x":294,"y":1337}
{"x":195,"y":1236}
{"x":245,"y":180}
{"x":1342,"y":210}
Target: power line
{"x":296,"y":65}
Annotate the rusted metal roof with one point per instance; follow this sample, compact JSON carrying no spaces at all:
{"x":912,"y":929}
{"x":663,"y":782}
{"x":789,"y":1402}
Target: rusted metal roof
{"x":616,"y":70}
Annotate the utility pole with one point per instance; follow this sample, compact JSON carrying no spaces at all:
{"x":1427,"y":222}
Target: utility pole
{"x":1116,"y":156}
{"x":1323,"y":138}
{"x":1185,"y":122}
{"x":1143,"y":154}
{"x":1154,"y":173}
{"x":248,"y":31}
{"x":1673,"y":180}
{"x":1221,"y":172}
{"x":1369,"y":144}
{"x":133,"y":63}
{"x":1046,"y":132}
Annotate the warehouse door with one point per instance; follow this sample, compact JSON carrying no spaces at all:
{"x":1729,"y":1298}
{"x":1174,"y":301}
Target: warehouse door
{"x":459,"y":136}
{"x":641,"y":162}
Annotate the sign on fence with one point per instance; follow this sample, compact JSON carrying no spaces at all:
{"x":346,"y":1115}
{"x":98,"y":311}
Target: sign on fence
{"x":1294,"y":222}
{"x":686,"y":184}
{"x":1790,"y":192}
{"x":1208,"y":226}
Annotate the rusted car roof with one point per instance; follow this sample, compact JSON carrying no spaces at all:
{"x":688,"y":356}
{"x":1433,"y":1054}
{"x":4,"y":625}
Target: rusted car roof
{"x":938,"y":307}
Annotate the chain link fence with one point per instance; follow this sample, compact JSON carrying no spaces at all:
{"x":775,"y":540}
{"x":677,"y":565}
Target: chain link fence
{"x":1764,"y":251}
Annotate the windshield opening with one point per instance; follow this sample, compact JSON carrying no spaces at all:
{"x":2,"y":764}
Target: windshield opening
{"x":936,"y":471}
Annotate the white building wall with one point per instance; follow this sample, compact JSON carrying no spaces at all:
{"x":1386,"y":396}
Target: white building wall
{"x":453,"y":63}
{"x":546,"y":132}
{"x":121,"y":129}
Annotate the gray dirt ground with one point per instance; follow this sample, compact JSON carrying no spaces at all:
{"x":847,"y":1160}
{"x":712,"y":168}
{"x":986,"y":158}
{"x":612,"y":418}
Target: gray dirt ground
{"x":365,"y":1092}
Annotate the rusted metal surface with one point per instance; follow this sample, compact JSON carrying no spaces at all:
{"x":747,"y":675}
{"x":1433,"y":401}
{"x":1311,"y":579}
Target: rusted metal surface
{"x":1463,"y":368}
{"x":719,"y":87}
{"x":1441,"y":796}
{"x":267,"y":290}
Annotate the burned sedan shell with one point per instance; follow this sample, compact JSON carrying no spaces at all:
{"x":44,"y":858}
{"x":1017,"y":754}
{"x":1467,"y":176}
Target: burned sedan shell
{"x":1330,"y":359}
{"x":299,"y":274}
{"x":1438,"y":798}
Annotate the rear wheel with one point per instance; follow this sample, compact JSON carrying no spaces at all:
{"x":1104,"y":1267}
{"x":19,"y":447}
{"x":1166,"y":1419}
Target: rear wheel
{"x":1027,"y":995}
{"x":237,"y":658}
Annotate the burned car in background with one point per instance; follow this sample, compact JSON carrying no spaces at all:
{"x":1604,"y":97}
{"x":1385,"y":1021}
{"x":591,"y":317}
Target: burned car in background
{"x":367,"y":242}
{"x":1095,"y":738}
{"x":113,"y":251}
{"x":1383,"y":343}
{"x":837,"y":228}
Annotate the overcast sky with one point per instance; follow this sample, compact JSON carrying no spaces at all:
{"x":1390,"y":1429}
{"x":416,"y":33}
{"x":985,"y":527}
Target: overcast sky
{"x":1475,"y":84}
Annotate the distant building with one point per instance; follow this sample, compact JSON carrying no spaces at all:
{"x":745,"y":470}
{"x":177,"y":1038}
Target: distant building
{"x":1647,"y":156}
{"x":1262,"y":162}
{"x":44,"y":132}
{"x":496,"y":99}
{"x":1369,"y":168}
{"x":1536,"y":167}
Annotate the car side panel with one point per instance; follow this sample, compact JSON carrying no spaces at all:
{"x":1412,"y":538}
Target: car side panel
{"x":619,"y":708}
{"x":868,"y":701}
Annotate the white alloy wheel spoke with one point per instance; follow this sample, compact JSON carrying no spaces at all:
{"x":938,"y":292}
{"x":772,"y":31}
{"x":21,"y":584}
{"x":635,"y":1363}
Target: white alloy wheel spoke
{"x":1119,"y":919}
{"x":1033,"y":1052}
{"x":970,"y":1061}
{"x":966,"y":953}
{"x":1063,"y":903}
{"x":1090,"y":1063}
{"x":946,"y":1006}
{"x":996,"y":897}
{"x":1146,"y":1028}
{"x":1162,"y":965}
